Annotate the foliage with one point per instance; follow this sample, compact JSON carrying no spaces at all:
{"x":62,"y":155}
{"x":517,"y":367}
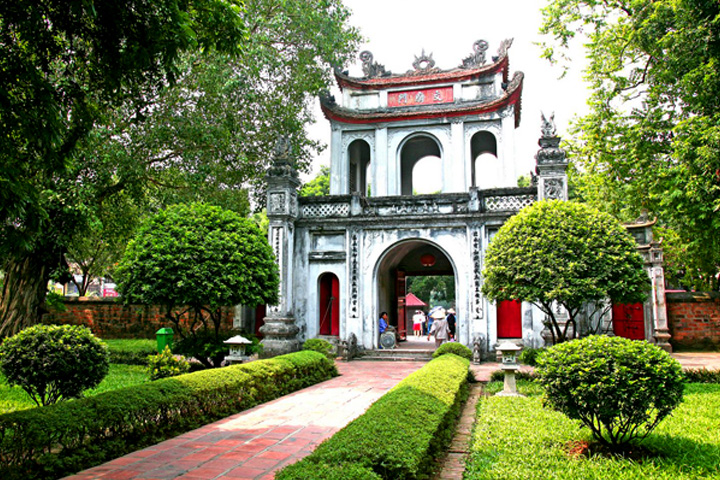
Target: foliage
{"x":64,"y":65}
{"x":131,"y":352}
{"x":701,"y":375}
{"x":150,"y":103}
{"x":434,"y":289}
{"x":683,"y":447}
{"x":165,"y":365}
{"x":319,"y":345}
{"x":618,"y":388}
{"x":53,"y":363}
{"x":419,"y":414}
{"x":455,"y":348}
{"x":318,"y":186}
{"x":652,"y":137}
{"x":520,"y":376}
{"x":565,"y":253}
{"x":528,"y":356}
{"x":197,"y":259}
{"x":119,"y":376}
{"x":51,"y":442}
{"x":345,"y":471}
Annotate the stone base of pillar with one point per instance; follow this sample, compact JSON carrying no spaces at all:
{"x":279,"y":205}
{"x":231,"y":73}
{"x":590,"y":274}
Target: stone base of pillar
{"x":280,"y":336}
{"x":662,"y":338}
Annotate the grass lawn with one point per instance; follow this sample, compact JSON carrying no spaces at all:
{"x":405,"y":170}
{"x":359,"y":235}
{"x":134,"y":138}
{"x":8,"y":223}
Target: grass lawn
{"x":142,"y":345}
{"x":517,"y":438}
{"x":15,"y":398}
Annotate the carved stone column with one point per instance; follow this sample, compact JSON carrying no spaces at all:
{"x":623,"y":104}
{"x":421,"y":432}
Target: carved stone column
{"x":551,"y":164}
{"x":280,"y":331}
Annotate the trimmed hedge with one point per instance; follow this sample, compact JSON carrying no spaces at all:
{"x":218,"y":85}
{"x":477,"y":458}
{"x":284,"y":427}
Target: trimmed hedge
{"x":402,"y":433}
{"x":701,"y":375}
{"x":53,"y":441}
{"x":453,"y":347}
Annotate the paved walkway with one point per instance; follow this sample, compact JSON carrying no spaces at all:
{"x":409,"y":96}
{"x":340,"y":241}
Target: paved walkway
{"x":254,"y":443}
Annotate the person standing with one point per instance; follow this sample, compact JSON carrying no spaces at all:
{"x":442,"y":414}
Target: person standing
{"x":451,"y":321}
{"x":418,"y":320}
{"x":439,"y":328}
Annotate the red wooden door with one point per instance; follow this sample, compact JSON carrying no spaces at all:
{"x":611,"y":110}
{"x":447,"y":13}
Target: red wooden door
{"x":401,"y":316}
{"x":509,"y":319}
{"x":329,"y":305}
{"x":629,"y":320}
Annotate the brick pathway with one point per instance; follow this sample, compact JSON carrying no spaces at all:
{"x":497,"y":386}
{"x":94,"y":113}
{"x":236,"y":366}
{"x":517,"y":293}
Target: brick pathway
{"x":255,"y":443}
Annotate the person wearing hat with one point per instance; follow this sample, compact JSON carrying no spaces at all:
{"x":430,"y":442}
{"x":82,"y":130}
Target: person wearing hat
{"x":451,"y":322}
{"x":439,"y":328}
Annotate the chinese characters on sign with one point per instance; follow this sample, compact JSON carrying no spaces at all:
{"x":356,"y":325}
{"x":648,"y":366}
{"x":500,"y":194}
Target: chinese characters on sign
{"x":428,"y":96}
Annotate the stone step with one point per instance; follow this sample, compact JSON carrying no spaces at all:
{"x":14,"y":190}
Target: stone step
{"x":400,"y":355}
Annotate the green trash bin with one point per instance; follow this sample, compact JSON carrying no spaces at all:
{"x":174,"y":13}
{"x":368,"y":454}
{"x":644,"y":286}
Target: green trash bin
{"x":164,"y":337}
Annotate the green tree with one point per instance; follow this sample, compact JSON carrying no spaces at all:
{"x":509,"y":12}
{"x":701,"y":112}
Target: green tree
{"x":318,"y":186}
{"x":565,"y":253}
{"x":207,"y":138}
{"x":652,"y":137}
{"x":194,"y":260}
{"x":63,"y":64}
{"x":433,"y":289}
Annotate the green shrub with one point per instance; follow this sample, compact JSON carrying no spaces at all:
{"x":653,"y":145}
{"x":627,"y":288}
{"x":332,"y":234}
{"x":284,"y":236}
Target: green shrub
{"x":53,"y":362}
{"x":702,"y":375}
{"x":528,"y":356}
{"x":319,"y":345}
{"x":402,"y":433}
{"x":165,"y":365}
{"x":499,"y":376}
{"x":52,"y":441}
{"x":620,"y":389}
{"x":453,"y":347}
{"x":345,"y":471}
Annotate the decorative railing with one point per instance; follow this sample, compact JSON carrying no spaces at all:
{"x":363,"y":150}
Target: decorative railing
{"x":477,"y":201}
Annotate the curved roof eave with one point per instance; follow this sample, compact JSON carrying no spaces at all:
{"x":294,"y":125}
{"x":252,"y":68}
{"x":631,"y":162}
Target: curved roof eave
{"x":512,"y":96}
{"x":409,"y":80}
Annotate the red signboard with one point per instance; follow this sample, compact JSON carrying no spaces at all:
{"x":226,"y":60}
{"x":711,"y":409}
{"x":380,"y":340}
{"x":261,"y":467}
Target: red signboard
{"x":427,"y":96}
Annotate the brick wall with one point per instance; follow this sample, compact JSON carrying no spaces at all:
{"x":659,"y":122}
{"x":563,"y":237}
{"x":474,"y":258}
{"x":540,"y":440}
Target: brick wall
{"x":109,"y":318}
{"x":694,"y":319}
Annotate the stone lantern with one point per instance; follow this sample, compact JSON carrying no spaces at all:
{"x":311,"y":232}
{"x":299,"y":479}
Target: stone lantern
{"x":509,"y":365}
{"x":237,"y":346}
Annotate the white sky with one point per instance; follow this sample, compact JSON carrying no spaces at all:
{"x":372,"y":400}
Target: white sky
{"x":397,"y":30}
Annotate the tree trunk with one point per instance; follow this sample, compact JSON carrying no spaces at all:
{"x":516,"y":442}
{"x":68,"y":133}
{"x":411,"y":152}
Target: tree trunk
{"x":23,"y":297}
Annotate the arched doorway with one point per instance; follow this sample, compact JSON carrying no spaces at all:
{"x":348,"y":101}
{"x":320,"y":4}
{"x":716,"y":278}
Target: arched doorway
{"x":423,"y":150}
{"x":406,"y":260}
{"x":329,"y":307}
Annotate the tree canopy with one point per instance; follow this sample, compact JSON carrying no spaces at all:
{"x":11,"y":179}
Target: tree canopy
{"x":565,"y":253}
{"x":161,"y":102}
{"x":318,"y":186}
{"x":652,"y":137}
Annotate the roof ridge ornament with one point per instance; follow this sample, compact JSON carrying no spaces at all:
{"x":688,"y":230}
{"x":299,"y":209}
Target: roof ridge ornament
{"x":477,"y":59}
{"x":504,"y":47}
{"x":372,"y":69}
{"x":423,"y":64}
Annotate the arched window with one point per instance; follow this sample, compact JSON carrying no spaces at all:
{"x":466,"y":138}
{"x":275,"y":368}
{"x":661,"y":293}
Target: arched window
{"x":359,"y":154}
{"x":329,"y":308}
{"x":420,"y":166}
{"x":486,"y":167}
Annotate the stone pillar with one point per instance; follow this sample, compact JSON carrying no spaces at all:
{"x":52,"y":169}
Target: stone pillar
{"x":280,"y":330}
{"x":551,"y":164}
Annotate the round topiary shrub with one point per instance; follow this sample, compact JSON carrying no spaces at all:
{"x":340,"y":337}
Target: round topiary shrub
{"x":453,"y":347}
{"x":54,"y":362}
{"x":620,"y":389}
{"x":319,"y":345}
